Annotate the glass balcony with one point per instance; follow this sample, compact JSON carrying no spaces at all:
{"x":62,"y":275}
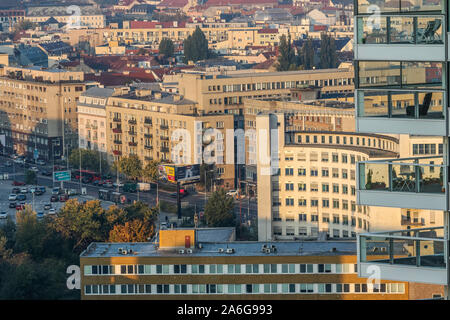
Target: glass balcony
{"x":417,"y":254}
{"x":403,"y":183}
{"x":398,"y":6}
{"x":421,"y":112}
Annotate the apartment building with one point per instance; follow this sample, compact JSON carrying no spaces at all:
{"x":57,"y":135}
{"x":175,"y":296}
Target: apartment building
{"x":153,"y":125}
{"x":39,"y":111}
{"x":181,"y":267}
{"x":8,"y":18}
{"x":80,"y":16}
{"x":225,"y":93}
{"x":314,"y":190}
{"x":92,"y":124}
{"x":407,"y":60}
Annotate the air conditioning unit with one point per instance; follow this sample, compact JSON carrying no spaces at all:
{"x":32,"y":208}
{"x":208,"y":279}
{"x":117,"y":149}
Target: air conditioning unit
{"x":189,"y":250}
{"x":181,"y":251}
{"x":230,"y":250}
{"x":124,"y":252}
{"x":220,"y":250}
{"x":267,"y":250}
{"x":120,"y":250}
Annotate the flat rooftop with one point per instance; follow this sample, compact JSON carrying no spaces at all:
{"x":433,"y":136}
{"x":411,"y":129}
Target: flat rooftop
{"x":241,"y":248}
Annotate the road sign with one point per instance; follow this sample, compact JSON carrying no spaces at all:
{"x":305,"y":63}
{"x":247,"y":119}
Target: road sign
{"x":36,"y":154}
{"x":59,"y":176}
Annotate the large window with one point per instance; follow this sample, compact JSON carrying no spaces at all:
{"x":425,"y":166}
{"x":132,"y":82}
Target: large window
{"x":382,"y":6}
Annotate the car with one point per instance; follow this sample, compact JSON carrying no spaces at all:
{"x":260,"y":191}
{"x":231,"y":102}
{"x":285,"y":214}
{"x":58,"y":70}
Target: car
{"x":32,"y":189}
{"x":12,"y":204}
{"x":41,"y":162}
{"x":12,"y":197}
{"x":52,"y":211}
{"x":56,"y":191}
{"x":20,"y":207}
{"x":18,"y":183}
{"x":54,"y":198}
{"x":15,"y":190}
{"x":119,"y":184}
{"x":46,"y":173}
{"x":42,"y":189}
{"x":232,"y":193}
{"x":24,"y":190}
{"x":40,"y":214}
{"x":63,"y":198}
{"x":47,"y":206}
{"x":38,"y":192}
{"x":108,"y":185}
{"x":3,"y":215}
{"x":35,"y":169}
{"x":73,"y":192}
{"x":21,"y":197}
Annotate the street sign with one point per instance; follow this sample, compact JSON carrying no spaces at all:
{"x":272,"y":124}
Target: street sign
{"x":59,"y":176}
{"x":36,"y":154}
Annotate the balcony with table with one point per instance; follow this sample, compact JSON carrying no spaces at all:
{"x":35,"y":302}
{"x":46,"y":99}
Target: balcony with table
{"x":403,"y":183}
{"x":403,"y":255}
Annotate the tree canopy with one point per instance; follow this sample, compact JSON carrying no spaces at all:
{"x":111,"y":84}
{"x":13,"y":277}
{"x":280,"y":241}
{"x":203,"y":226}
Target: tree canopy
{"x":151,"y":170}
{"x":307,"y":54}
{"x":130,"y":166}
{"x":166,"y":47}
{"x":196,"y":47}
{"x":287,"y":59}
{"x":90,"y":160}
{"x":219,"y":210}
{"x":328,"y":57}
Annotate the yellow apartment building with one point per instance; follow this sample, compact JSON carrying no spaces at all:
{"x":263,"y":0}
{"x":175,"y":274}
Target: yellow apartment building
{"x":39,"y":111}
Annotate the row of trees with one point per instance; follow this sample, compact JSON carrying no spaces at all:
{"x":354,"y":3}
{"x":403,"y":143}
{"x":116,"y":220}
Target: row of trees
{"x":305,"y":59}
{"x":132,"y":168}
{"x":35,"y":253}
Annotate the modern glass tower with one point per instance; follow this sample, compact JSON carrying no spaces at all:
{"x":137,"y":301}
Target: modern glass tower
{"x":401,"y":57}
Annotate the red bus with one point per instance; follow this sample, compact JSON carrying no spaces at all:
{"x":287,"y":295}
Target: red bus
{"x":87,"y":175}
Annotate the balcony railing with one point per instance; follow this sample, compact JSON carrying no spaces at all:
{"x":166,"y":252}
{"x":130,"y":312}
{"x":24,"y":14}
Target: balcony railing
{"x":164,"y":127}
{"x":148,"y":147}
{"x":164,"y":138}
{"x":164,"y":149}
{"x":117,"y":152}
{"x":132,"y":121}
{"x":132,"y":133}
{"x":148,"y":122}
{"x":148,"y":135}
{"x":408,"y":221}
{"x":132,"y":144}
{"x":117,"y":120}
{"x":404,"y":30}
{"x":117,"y":130}
{"x":117,"y":141}
{"x":415,"y":253}
{"x":148,"y":158}
{"x":421,"y":176}
{"x":403,"y":183}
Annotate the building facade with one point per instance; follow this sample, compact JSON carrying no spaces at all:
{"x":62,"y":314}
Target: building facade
{"x":412,"y":63}
{"x":38,"y":111}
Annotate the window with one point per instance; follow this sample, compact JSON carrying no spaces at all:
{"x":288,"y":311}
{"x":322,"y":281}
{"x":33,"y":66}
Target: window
{"x":289,"y":171}
{"x":325,"y":187}
{"x":324,"y":268}
{"x":306,"y":268}
{"x":302,"y":172}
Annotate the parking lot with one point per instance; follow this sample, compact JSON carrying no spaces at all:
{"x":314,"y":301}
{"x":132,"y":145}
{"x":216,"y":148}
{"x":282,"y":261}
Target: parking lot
{"x":38,"y":203}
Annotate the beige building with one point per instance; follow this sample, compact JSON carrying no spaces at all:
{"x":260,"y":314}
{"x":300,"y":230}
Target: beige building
{"x":217,"y":93}
{"x":39,"y":110}
{"x":153,"y":125}
{"x":92,"y":124}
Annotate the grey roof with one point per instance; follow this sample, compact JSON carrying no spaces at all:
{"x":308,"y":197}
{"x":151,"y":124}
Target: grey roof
{"x":281,"y":74}
{"x":241,"y":248}
{"x":215,"y":234}
{"x":48,"y":11}
{"x":98,"y":92}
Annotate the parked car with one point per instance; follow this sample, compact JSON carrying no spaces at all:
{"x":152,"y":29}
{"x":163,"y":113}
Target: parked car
{"x":46,"y":173}
{"x":40,"y":214}
{"x":15,"y":190}
{"x":12,"y":204}
{"x":18,"y":183}
{"x":232,"y":193}
{"x":3,"y":215}
{"x":21,"y":197}
{"x":47,"y":206}
{"x":52,"y":211}
{"x":54,"y":198}
{"x":12,"y":197}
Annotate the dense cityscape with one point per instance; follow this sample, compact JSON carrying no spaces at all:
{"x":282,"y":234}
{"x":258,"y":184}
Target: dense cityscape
{"x":224,"y":150}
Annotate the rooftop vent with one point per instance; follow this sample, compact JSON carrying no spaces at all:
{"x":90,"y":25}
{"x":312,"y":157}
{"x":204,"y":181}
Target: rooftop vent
{"x":181,"y":251}
{"x":266,"y":250}
{"x":220,"y":250}
{"x":189,"y":251}
{"x":230,"y":250}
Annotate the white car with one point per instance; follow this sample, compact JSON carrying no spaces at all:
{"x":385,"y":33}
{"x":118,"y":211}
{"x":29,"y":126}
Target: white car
{"x":12,"y":197}
{"x":41,"y":162}
{"x":232,"y":193}
{"x":3,"y":215}
{"x":52,"y":211}
{"x":24,"y":190}
{"x":35,"y":169}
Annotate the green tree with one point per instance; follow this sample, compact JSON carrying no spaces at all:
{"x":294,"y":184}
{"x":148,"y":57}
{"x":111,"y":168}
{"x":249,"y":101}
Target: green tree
{"x":30,"y":177}
{"x":328,"y":57}
{"x":90,"y":160}
{"x":130,"y":166}
{"x":132,"y":231}
{"x":219,"y":210}
{"x":307,"y":54}
{"x":287,"y":59}
{"x":196,"y":47}
{"x":166,"y":47}
{"x":151,"y":171}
